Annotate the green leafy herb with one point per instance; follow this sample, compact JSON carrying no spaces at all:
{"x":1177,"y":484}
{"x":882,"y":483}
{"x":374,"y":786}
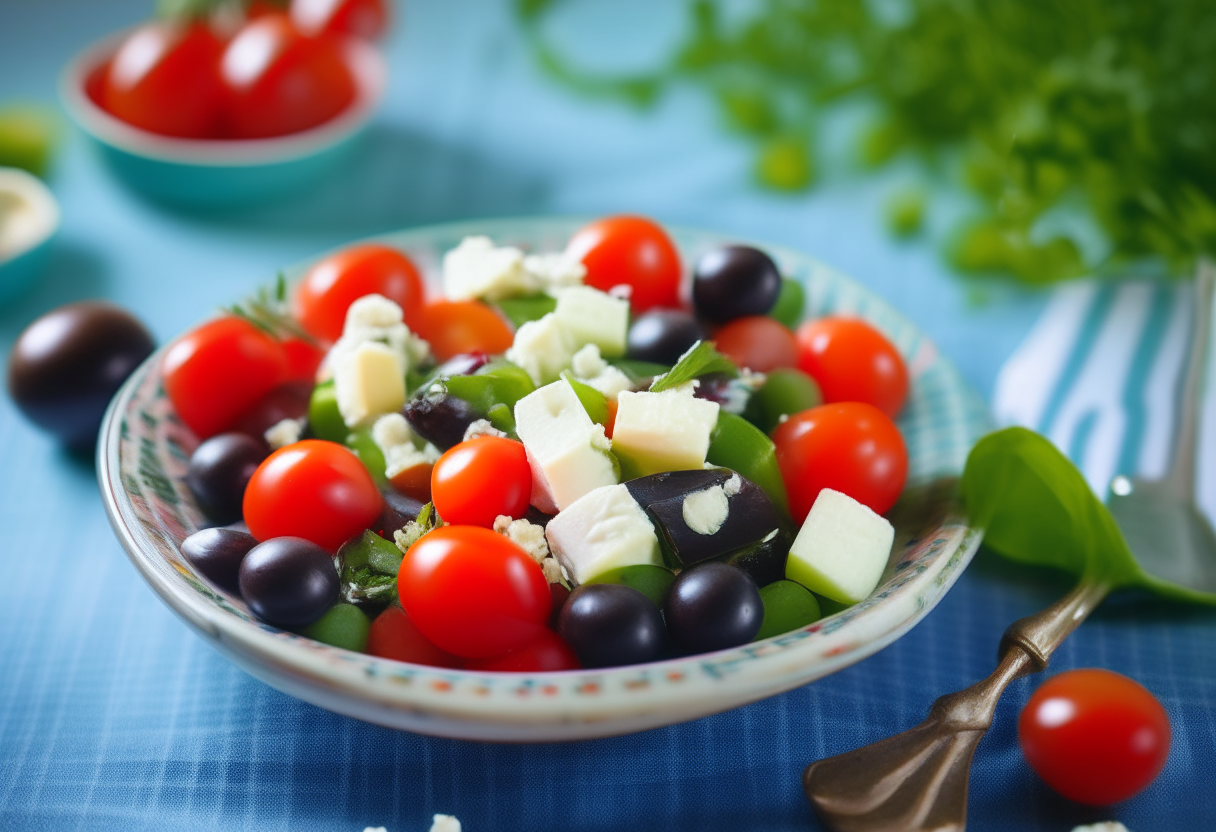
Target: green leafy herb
{"x":1036,"y":508}
{"x":267,"y":309}
{"x":700,"y":359}
{"x":520,"y":311}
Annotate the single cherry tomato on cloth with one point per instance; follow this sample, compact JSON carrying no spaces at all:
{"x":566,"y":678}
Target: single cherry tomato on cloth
{"x":476,"y":481}
{"x":394,"y":636}
{"x":279,"y":81}
{"x":165,"y":78}
{"x":853,"y":362}
{"x":757,"y":342}
{"x":366,"y":19}
{"x":549,"y":652}
{"x":850,"y":447}
{"x":453,"y":327}
{"x":312,"y":489}
{"x":333,"y":284}
{"x":473,"y":592}
{"x":217,"y":371}
{"x":1095,"y":736}
{"x":631,"y":251}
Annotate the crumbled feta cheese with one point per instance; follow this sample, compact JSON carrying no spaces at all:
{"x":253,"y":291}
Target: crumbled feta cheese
{"x":554,"y":573}
{"x":481,"y":427}
{"x":395,"y":439}
{"x":543,"y":348}
{"x":368,"y":381}
{"x":595,"y":372}
{"x":445,"y":823}
{"x":375,"y":319}
{"x":706,"y":510}
{"x":1105,"y":826}
{"x":524,"y":534}
{"x":478,"y":269}
{"x":733,"y":485}
{"x":375,"y":829}
{"x":284,"y":433}
{"x":555,"y":270}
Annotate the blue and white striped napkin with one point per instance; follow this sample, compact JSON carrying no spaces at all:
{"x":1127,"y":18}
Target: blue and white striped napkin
{"x":1100,"y":374}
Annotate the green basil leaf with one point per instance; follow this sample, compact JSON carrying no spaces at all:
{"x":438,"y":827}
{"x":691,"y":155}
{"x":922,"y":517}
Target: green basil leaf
{"x":700,"y":359}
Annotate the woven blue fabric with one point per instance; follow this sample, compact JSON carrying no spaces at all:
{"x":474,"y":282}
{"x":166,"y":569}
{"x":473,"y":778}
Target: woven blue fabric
{"x":113,"y":716}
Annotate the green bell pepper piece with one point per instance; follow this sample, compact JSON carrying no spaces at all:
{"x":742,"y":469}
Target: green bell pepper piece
{"x":739,"y":445}
{"x":520,"y":311}
{"x":499,"y":382}
{"x":360,"y":441}
{"x":324,"y":418}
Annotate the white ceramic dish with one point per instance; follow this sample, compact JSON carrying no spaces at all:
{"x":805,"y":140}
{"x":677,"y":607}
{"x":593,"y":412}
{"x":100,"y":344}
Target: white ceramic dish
{"x":142,"y":459}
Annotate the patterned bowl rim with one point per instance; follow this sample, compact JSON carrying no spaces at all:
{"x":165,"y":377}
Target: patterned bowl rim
{"x":562,"y":705}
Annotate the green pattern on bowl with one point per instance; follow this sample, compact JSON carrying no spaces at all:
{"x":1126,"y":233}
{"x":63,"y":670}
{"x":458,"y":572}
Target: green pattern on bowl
{"x":144,"y":450}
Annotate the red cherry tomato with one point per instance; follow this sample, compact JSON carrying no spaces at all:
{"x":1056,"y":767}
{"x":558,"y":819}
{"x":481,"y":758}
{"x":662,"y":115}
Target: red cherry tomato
{"x":853,"y":362}
{"x":394,"y":636}
{"x":333,"y":284}
{"x":547,"y":653}
{"x":215,"y":372}
{"x":473,"y":592}
{"x":303,"y":359}
{"x":630,"y":251}
{"x":313,"y":489}
{"x":476,"y":481}
{"x":281,"y":82}
{"x":366,"y":19}
{"x":165,"y":78}
{"x":757,"y":342}
{"x":1094,"y":736}
{"x":456,"y":327}
{"x":850,"y":447}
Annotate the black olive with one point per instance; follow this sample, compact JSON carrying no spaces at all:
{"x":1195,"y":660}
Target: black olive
{"x":287,"y":401}
{"x":734,"y":281}
{"x":713,"y":606}
{"x":611,"y":624}
{"x":67,"y":365}
{"x":663,"y":335}
{"x":440,"y":418}
{"x":398,"y":510}
{"x":220,"y":469}
{"x":289,"y":581}
{"x":218,"y":553}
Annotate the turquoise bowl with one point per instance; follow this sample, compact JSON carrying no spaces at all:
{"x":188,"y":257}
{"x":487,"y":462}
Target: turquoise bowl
{"x":221,"y":173}
{"x":21,"y":266}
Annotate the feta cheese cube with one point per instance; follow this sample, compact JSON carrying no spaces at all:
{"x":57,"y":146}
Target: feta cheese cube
{"x":375,"y":318}
{"x":594,"y":317}
{"x":478,"y":269}
{"x":841,"y":550}
{"x":369,"y":380}
{"x":543,"y":348}
{"x":666,"y":431}
{"x":569,"y":453}
{"x":604,"y":529}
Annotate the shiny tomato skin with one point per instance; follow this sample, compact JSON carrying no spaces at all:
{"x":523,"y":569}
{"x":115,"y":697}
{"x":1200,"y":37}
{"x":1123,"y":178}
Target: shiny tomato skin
{"x":312,"y":489}
{"x":393,"y":636}
{"x":547,"y":653}
{"x":1094,"y":736}
{"x":473,"y":592}
{"x":851,"y":361}
{"x":333,"y":284}
{"x":366,"y":19}
{"x":457,"y":327}
{"x":478,"y":480}
{"x":279,"y":81}
{"x":164,"y":78}
{"x":849,"y":447}
{"x":218,"y":370}
{"x":757,"y":342}
{"x":631,"y":251}
{"x":303,"y":358}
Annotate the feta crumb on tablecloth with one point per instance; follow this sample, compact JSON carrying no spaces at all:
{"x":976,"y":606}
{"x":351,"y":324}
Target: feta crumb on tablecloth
{"x":1105,"y":826}
{"x":440,"y":823}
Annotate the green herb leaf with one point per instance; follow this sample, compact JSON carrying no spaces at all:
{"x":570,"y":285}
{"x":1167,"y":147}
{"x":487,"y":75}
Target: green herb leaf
{"x":700,"y":359}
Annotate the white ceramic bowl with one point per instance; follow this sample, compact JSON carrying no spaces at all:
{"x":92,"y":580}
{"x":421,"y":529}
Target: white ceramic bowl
{"x":221,"y":172}
{"x":142,"y":461}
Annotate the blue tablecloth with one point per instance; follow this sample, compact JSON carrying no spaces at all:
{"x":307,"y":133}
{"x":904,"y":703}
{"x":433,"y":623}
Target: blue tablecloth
{"x":114,"y":716}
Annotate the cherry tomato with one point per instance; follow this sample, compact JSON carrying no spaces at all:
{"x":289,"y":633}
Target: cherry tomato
{"x":333,"y":284}
{"x":165,"y":78}
{"x":303,"y":359}
{"x":853,"y":362}
{"x":757,"y":342}
{"x":547,"y":653}
{"x":630,"y":251}
{"x":453,"y":327}
{"x":473,"y":592}
{"x":215,"y":372}
{"x":280,"y":81}
{"x":312,"y":489}
{"x":851,"y":447}
{"x":366,"y":19}
{"x":1094,"y":736}
{"x":476,"y":481}
{"x":394,"y":636}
